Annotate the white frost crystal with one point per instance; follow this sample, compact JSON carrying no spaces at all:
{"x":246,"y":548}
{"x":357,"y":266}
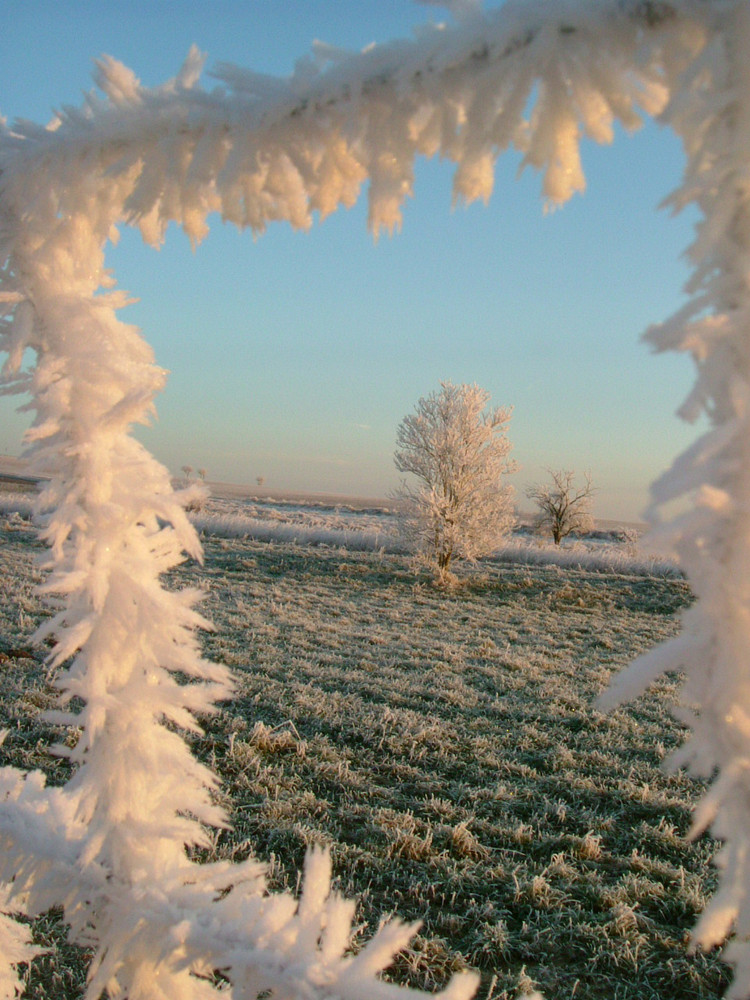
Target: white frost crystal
{"x":110,"y":845}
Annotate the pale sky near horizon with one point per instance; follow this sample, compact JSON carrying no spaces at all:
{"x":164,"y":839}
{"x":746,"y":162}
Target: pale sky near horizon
{"x":295,"y":356}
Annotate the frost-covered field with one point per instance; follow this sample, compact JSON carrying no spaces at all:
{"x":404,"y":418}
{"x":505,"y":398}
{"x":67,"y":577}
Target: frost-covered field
{"x":373,"y":526}
{"x":444,"y":744}
{"x":325,"y":521}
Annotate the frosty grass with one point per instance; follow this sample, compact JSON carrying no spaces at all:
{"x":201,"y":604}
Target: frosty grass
{"x":445,"y":746}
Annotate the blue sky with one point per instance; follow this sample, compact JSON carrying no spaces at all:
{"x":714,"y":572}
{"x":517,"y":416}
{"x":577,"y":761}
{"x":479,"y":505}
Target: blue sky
{"x":295,"y":356}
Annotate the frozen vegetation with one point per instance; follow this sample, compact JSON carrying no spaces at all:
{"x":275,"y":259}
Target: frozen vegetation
{"x":443,"y":745}
{"x":376,"y":529}
{"x":119,"y":844}
{"x":456,"y":501}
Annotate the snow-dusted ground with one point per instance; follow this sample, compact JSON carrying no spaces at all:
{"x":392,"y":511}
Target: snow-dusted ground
{"x":443,"y":743}
{"x":307,"y":519}
{"x":371,"y":525}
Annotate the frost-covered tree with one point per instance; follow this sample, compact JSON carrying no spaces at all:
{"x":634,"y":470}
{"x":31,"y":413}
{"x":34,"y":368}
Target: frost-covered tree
{"x":564,"y":508}
{"x":457,"y":451}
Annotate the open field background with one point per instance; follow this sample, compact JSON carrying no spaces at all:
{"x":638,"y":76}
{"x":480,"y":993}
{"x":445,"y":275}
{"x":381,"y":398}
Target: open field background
{"x":444,"y":744}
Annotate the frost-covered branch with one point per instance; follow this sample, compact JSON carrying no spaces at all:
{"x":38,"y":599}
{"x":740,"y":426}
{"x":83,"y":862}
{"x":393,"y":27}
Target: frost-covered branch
{"x":179,"y":929}
{"x":536,"y":76}
{"x":711,"y":113}
{"x":257,"y":150}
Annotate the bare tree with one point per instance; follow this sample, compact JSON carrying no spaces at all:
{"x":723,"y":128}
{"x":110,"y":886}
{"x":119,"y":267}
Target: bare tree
{"x":202,"y":473}
{"x":563,"y":508}
{"x":458,"y":454}
{"x":188,"y":470}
